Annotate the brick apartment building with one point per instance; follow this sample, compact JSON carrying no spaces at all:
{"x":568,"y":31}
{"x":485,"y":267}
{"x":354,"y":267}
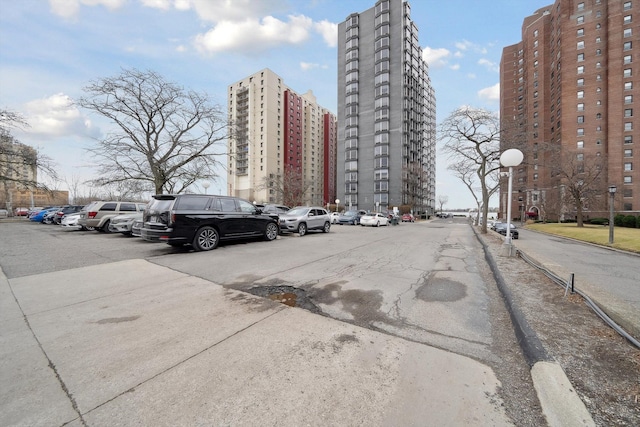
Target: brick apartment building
{"x":568,"y":92}
{"x":280,"y":136}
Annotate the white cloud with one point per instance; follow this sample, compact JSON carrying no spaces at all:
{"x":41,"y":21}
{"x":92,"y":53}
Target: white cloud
{"x":490,"y":65}
{"x":252,"y":35}
{"x":491,"y":93}
{"x":57,"y":116}
{"x":436,"y":58}
{"x":70,"y":8}
{"x":455,"y":67}
{"x":471,"y":75}
{"x":227,"y":10}
{"x":329,"y":32}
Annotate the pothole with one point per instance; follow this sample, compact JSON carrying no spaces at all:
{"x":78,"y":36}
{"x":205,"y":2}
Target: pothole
{"x":287,"y":295}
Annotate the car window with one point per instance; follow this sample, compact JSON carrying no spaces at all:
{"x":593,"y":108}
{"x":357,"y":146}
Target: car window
{"x":214,"y":205}
{"x":128,"y":207}
{"x":246,"y":206}
{"x":160,"y":205}
{"x":192,"y":203}
{"x":228,"y":205}
{"x":108,"y":207}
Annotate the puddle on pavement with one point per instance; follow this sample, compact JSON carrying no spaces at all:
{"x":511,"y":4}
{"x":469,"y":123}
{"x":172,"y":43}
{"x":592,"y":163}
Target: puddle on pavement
{"x":287,"y":295}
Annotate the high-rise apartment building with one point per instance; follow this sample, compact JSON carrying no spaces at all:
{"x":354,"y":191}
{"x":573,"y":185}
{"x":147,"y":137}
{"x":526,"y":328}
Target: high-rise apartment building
{"x":568,"y":92}
{"x":283,"y":146}
{"x":386,"y":112}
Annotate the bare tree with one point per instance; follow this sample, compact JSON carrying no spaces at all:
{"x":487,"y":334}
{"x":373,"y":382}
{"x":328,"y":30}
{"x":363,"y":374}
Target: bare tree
{"x":442,"y":200}
{"x":472,"y":141}
{"x":289,"y":188}
{"x":582,"y":179}
{"x":166,"y":138}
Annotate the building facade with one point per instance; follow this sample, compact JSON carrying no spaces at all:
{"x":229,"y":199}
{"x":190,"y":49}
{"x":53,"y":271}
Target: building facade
{"x":567,"y":99}
{"x":386,"y":112}
{"x":282,"y":148}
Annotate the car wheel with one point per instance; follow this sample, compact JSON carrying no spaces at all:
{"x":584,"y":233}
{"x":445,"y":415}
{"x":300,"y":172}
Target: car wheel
{"x":206,"y":239}
{"x":271,"y":232}
{"x":302,"y":229}
{"x":378,"y":224}
{"x":105,"y":227}
{"x":327,"y":227}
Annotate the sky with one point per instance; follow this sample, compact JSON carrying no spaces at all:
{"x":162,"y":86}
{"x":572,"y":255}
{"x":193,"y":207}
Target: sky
{"x":51,"y":49}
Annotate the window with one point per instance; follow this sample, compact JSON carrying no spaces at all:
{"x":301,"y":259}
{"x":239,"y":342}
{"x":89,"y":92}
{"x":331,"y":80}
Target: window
{"x":627,"y":180}
{"x":627,"y":72}
{"x":580,"y":19}
{"x":580,"y":45}
{"x":627,"y":32}
{"x":580,"y":131}
{"x":628,"y":166}
{"x":580,"y":57}
{"x":628,"y":152}
{"x":580,"y":157}
{"x":628,"y":139}
{"x":627,"y":19}
{"x":580,"y":6}
{"x":581,"y":69}
{"x":580,"y":32}
{"x":628,"y":85}
{"x":580,"y":144}
{"x":628,"y":112}
{"x":628,"y":126}
{"x":626,"y":5}
{"x":580,"y":107}
{"x":580,"y":119}
{"x":580,"y":94}
{"x":580,"y":82}
{"x":626,"y":46}
{"x":628,"y":99}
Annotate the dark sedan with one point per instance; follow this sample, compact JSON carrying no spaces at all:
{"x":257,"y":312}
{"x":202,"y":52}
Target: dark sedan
{"x":501,"y":227}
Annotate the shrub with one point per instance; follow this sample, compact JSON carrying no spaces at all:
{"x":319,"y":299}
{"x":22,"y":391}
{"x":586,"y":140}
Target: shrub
{"x":599,"y":221}
{"x":629,"y":221}
{"x":617,"y":220}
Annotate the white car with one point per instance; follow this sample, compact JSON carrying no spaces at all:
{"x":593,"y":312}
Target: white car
{"x":70,"y":222}
{"x":334,"y":217}
{"x":374,"y":219}
{"x":123,"y":223}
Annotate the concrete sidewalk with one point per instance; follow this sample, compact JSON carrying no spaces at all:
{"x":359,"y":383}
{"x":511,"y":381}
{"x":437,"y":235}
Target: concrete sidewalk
{"x":152,"y":346}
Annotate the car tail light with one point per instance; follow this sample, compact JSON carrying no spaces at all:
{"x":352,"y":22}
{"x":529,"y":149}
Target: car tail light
{"x":92,"y":214}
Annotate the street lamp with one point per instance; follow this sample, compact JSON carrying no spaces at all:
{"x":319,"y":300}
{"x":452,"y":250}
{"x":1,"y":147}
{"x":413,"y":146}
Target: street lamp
{"x":337,"y":205}
{"x":509,"y":158}
{"x":206,"y":186}
{"x":612,"y":193}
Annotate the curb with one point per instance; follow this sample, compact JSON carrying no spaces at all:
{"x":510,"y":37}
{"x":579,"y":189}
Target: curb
{"x":559,"y":401}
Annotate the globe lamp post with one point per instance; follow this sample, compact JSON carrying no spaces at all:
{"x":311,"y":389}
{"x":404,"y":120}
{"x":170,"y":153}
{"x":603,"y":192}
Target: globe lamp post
{"x":509,"y":159}
{"x":612,"y":193}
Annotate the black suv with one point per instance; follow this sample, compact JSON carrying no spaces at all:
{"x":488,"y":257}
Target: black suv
{"x":203,"y":220}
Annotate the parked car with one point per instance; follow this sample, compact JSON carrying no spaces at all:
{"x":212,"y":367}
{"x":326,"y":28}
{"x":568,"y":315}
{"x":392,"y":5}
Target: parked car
{"x":408,"y":218}
{"x":202,"y":221}
{"x":20,"y":211}
{"x":274,"y":209}
{"x":501,"y":227}
{"x":98,"y":214}
{"x":374,"y":219}
{"x":65,"y":210}
{"x":49,"y":216}
{"x":123,"y":223}
{"x":136,"y":227}
{"x":40,"y":215}
{"x":4,"y":213}
{"x":351,"y":217}
{"x":70,"y":222}
{"x":334,"y":217}
{"x":304,"y":218}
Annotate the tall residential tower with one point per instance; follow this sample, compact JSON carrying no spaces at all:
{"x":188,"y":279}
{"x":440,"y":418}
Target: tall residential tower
{"x":283,"y":148}
{"x":568,"y":91}
{"x":386,"y":112}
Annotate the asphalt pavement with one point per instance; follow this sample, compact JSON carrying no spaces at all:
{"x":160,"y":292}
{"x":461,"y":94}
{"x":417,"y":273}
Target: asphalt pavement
{"x":153,"y":346}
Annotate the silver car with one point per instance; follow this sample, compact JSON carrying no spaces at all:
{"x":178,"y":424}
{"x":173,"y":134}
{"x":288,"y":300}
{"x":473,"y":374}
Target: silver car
{"x":304,"y":218}
{"x":123,"y":223}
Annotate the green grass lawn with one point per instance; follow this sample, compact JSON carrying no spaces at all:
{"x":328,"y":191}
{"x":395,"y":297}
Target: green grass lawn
{"x":627,"y":239}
